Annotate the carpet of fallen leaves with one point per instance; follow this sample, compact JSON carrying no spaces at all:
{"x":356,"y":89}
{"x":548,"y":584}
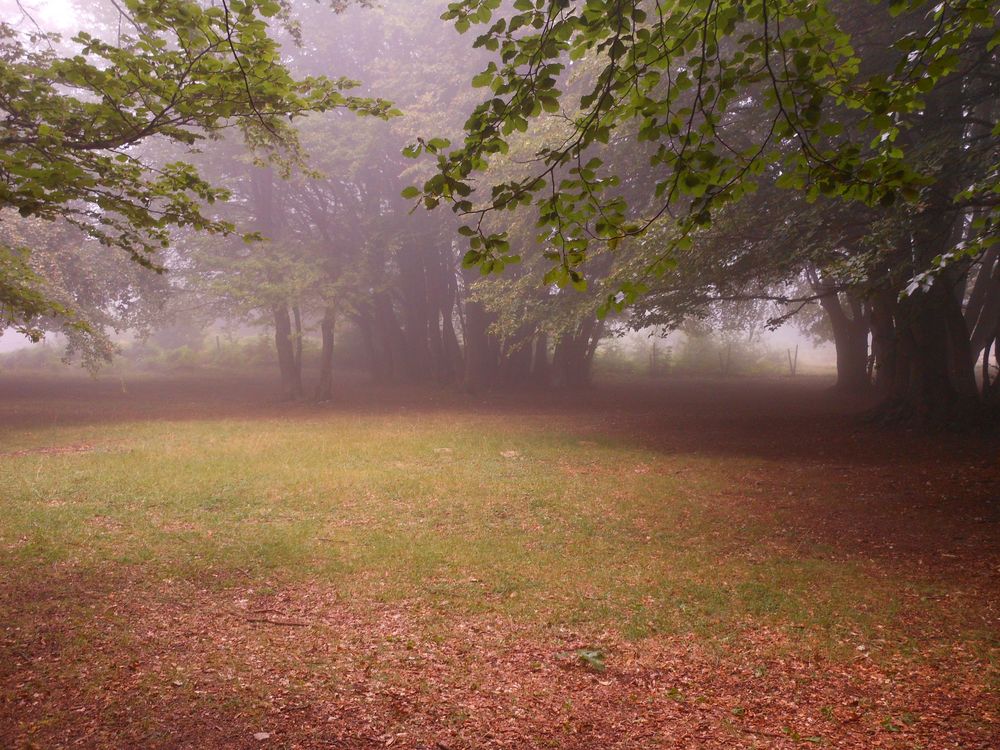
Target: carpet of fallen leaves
{"x":123,"y":661}
{"x":204,"y":667}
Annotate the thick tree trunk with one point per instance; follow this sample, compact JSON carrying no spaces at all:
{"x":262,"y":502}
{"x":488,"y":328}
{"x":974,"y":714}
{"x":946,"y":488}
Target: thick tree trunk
{"x":481,"y":349}
{"x":991,"y":387}
{"x":439,"y":362}
{"x":451,"y":351}
{"x":596,"y":334}
{"x":436,"y":292}
{"x":324,"y":390}
{"x":851,"y":342}
{"x":962,"y":358}
{"x":428,"y":304}
{"x":884,"y":342}
{"x":574,"y":354}
{"x":393,"y":342}
{"x":982,"y":314}
{"x":291,"y":374}
{"x":934,"y":379}
{"x":850,"y":335}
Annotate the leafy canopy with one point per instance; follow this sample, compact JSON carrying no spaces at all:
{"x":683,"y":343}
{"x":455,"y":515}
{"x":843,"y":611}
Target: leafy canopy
{"x":677,"y":74}
{"x":174,"y":70}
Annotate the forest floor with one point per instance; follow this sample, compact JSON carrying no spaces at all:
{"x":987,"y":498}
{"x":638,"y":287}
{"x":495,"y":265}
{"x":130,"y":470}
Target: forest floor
{"x":714,"y":564}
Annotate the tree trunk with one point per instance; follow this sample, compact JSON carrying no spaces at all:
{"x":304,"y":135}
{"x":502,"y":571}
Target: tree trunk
{"x":595,"y":336}
{"x":540,"y":360}
{"x":933,"y":377}
{"x":324,"y":390}
{"x":481,"y":351}
{"x":962,"y":358}
{"x":451,"y":352}
{"x":851,"y":342}
{"x":394,"y":350}
{"x":884,"y":342}
{"x":934,"y":396}
{"x":574,"y":354}
{"x":983,"y":311}
{"x":850,"y":335}
{"x":935,"y":369}
{"x":991,"y":388}
{"x":291,"y":374}
{"x":415,"y":310}
{"x":297,"y":317}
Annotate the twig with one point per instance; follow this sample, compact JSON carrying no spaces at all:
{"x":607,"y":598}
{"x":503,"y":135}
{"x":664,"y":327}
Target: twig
{"x":286,"y":623}
{"x":243,"y":73}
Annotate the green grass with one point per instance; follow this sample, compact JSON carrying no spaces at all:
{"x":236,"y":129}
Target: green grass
{"x":463,"y":514}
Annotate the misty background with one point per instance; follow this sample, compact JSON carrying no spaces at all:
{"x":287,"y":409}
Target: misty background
{"x":341,"y":246}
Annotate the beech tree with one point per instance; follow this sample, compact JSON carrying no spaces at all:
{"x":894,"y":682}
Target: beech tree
{"x":891,"y":105}
{"x":338,"y":243}
{"x":75,"y":115}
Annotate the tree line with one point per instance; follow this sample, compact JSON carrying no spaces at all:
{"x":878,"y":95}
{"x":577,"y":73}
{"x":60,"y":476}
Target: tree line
{"x":609,"y":164}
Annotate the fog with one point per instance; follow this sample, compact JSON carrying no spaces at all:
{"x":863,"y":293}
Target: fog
{"x":297,"y":232}
{"x":499,"y":374}
{"x":340,"y":245}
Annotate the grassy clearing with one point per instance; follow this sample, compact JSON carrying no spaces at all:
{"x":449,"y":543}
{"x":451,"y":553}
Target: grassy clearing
{"x":463,"y":513}
{"x":186,"y":565}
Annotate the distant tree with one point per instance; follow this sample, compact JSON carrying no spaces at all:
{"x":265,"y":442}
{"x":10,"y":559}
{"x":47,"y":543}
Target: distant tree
{"x":339,"y":245}
{"x":85,"y":291}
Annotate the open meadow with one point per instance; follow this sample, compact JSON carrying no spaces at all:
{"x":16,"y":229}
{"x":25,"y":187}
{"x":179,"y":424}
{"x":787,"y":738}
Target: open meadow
{"x":711,"y":564}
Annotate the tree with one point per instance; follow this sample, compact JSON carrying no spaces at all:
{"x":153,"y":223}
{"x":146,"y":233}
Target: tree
{"x":103,"y":290}
{"x":339,"y":244}
{"x":857,"y":103}
{"x":179,"y":72}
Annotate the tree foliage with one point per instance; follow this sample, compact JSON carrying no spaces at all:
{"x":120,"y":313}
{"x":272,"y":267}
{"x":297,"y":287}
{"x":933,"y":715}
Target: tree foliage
{"x":680,"y":76}
{"x":75,"y":116}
